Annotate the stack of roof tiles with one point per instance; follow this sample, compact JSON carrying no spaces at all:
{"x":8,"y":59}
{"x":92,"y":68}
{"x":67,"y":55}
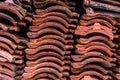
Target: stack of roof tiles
{"x":51,"y":40}
{"x":110,"y":8}
{"x":26,"y":4}
{"x":11,"y":45}
{"x":117,"y":41}
{"x":94,"y":51}
{"x":106,"y":7}
{"x":48,"y":40}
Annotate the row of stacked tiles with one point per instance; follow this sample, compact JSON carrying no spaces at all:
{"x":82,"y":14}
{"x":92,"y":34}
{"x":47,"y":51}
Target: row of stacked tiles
{"x":49,"y":40}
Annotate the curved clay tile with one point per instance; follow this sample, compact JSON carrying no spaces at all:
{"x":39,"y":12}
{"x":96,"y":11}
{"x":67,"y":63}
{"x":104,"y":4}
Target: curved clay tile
{"x":91,"y":67}
{"x":60,"y":9}
{"x":8,"y":42}
{"x":58,"y":14}
{"x":45,"y":59}
{"x":8,"y":18}
{"x":55,"y":25}
{"x":96,"y":54}
{"x":50,"y":36}
{"x":7,"y":56}
{"x":90,"y":22}
{"x":58,"y":19}
{"x":42,"y":70}
{"x":93,"y":44}
{"x":45,"y":47}
{"x":10,"y":66}
{"x":46,"y":42}
{"x":78,"y":65}
{"x":43,"y":76}
{"x":11,"y":36}
{"x":44,"y":54}
{"x":47,"y":2}
{"x":98,"y":38}
{"x":45,"y":31}
{"x":6,"y":48}
{"x":99,"y":16}
{"x":6,"y":77}
{"x":101,"y":32}
{"x":7,"y":72}
{"x":45,"y":65}
{"x":102,"y":49}
{"x":11,"y":9}
{"x":90,"y":73}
